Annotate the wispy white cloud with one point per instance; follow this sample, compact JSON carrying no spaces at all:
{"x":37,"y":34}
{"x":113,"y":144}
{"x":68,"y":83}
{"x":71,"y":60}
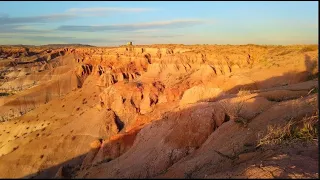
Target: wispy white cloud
{"x":169,"y":22}
{"x":32,"y":28}
{"x":15,"y":28}
{"x":5,"y":19}
{"x":39,"y":39}
{"x":134,"y":27}
{"x":107,"y":9}
{"x":73,"y":40}
{"x":69,"y":14}
{"x":142,"y":31}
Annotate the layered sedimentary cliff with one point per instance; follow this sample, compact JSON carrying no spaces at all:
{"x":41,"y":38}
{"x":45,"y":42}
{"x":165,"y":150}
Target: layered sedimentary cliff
{"x":149,"y":111}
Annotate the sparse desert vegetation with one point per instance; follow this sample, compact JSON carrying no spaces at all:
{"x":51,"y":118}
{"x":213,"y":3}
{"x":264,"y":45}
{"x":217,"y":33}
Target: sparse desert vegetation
{"x":305,"y":129}
{"x":158,"y":112}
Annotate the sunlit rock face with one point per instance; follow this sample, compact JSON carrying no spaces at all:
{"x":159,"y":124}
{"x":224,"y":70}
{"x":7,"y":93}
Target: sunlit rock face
{"x":167,"y":111}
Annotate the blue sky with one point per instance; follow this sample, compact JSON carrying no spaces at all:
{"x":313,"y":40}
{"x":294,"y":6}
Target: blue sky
{"x":159,"y":22}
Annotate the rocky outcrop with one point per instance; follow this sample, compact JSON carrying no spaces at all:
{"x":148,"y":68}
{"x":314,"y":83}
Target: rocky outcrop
{"x":197,"y":93}
{"x":147,"y":111}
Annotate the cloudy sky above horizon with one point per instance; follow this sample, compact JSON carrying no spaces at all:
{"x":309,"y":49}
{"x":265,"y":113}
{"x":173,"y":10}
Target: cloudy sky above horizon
{"x":115,"y":23}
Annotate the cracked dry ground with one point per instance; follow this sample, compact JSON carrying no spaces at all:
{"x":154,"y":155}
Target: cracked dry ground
{"x":161,"y":111}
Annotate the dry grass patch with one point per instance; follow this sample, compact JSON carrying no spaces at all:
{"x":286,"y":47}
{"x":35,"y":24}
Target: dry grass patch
{"x":309,"y":48}
{"x":244,"y":92}
{"x":233,"y":111}
{"x":306,"y":129}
